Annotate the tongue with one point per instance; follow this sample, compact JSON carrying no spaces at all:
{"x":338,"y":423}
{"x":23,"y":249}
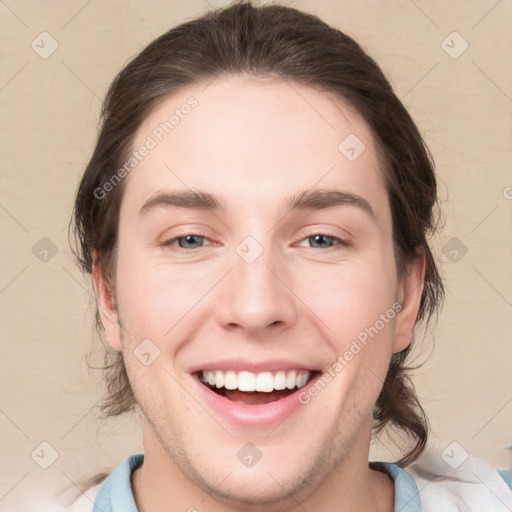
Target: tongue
{"x":254,"y":397}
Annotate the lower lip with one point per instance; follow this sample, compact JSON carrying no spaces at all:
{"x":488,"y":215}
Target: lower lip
{"x":255,"y":416}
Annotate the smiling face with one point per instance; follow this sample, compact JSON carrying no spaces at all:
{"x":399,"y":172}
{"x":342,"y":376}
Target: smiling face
{"x":253,"y":251}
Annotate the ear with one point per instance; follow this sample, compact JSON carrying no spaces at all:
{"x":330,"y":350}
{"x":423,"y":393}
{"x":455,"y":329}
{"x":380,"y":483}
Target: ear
{"x":410,"y":289}
{"x":106,"y":305}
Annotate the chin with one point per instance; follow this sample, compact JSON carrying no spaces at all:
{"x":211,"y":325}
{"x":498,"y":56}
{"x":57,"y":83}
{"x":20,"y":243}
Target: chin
{"x":252,"y":488}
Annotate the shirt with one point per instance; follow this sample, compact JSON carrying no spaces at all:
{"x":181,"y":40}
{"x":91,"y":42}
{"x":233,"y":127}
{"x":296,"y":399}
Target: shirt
{"x":425,"y":486}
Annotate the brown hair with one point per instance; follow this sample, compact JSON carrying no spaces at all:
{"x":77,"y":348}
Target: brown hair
{"x":283,"y":43}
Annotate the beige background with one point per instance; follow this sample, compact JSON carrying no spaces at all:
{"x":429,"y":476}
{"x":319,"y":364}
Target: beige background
{"x":50,"y":109}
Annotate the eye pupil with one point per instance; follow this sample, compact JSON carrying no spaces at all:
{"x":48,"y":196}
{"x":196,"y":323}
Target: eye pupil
{"x":189,"y":239}
{"x":321,"y":239}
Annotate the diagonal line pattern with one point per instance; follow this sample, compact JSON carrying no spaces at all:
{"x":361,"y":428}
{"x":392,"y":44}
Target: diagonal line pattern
{"x":75,"y":15}
{"x":378,"y":378}
{"x":81,"y":419}
{"x":210,"y":82}
{"x":420,"y":80}
{"x":13,"y":486}
{"x":291,"y":85}
{"x":97,"y":507}
{"x":278,"y":425}
{"x":492,"y":81}
{"x":485,"y":15}
{"x":501,"y":409}
{"x":491,"y":490}
{"x":209,"y":4}
{"x":424,"y":14}
{"x":289,"y":495}
{"x":14,"y":218}
{"x":417,"y":496}
{"x":12,"y":78}
{"x":14,"y":423}
{"x":3,"y":3}
{"x":13,"y":279}
{"x":85,"y":85}
{"x":216,"y":487}
{"x":78,"y":282}
{"x":488,"y":282}
{"x":492,"y":211}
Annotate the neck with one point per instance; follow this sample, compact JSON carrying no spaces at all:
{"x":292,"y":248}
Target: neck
{"x":160,"y":485}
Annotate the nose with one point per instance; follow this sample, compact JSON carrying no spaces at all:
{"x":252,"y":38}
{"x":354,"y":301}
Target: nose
{"x":257,"y":297}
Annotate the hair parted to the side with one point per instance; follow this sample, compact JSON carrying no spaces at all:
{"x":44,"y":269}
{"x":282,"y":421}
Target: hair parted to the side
{"x":282,"y":43}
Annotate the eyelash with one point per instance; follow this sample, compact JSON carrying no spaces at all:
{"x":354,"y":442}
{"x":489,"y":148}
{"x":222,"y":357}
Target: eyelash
{"x":169,"y":243}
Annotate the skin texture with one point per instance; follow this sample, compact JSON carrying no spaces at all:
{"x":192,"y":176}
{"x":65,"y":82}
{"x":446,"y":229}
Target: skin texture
{"x":255,"y":142}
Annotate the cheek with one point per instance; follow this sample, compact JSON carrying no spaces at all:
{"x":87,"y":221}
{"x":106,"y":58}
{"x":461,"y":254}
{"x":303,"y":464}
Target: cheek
{"x":157,"y":302}
{"x":352,"y":296}
{"x":357,"y":308}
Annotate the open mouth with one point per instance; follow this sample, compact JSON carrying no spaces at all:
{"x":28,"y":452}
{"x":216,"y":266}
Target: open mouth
{"x":255,"y":388}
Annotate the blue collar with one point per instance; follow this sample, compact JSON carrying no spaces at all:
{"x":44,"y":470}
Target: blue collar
{"x":115,"y":494}
{"x":407,"y":496}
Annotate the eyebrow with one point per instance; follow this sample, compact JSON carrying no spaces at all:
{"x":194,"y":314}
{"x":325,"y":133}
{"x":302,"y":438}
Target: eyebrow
{"x":317,"y":199}
{"x":191,"y":199}
{"x":321,"y":199}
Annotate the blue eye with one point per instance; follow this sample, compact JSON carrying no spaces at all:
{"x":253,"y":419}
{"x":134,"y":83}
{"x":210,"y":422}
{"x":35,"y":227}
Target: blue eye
{"x":194,"y":241}
{"x":325,"y":241}
{"x":185,"y":242}
{"x":189,"y":240}
{"x":321,"y":239}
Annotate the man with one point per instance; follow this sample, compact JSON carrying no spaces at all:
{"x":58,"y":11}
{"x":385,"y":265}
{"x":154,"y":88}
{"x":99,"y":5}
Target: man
{"x":257,"y":243}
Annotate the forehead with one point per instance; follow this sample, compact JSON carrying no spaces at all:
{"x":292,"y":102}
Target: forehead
{"x":245,"y":136}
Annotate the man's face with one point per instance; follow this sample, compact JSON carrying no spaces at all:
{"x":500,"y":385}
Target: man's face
{"x":252,"y":292}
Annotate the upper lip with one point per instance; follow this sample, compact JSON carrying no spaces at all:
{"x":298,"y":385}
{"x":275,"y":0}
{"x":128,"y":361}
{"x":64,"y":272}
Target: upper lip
{"x":239,"y":365}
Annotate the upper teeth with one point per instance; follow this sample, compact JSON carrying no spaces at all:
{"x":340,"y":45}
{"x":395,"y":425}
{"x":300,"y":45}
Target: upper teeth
{"x":247,"y":381}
